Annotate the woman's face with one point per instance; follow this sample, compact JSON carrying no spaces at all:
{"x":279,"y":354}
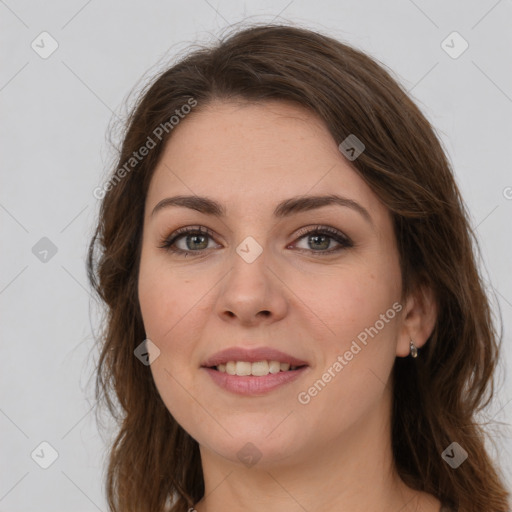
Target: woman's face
{"x":257,"y":279}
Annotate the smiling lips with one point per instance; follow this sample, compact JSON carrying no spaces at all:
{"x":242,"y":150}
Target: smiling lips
{"x":252,"y":355}
{"x":253,"y":371}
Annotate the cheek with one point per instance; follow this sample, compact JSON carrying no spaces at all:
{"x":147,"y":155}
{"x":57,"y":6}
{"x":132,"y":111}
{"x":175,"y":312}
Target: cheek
{"x":174,"y":306}
{"x":152,"y":299}
{"x":166,"y":303}
{"x":354,"y":298}
{"x":361,"y":307}
{"x":164,"y":298}
{"x":357,"y":361}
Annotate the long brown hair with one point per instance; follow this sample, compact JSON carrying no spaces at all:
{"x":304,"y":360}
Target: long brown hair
{"x":153,"y":463}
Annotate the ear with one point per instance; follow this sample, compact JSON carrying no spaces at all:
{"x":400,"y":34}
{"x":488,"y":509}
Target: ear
{"x":418,"y":320}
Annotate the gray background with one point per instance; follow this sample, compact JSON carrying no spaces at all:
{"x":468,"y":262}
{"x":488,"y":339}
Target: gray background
{"x":55,"y":115}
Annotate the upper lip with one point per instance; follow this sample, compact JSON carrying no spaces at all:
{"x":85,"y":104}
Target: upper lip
{"x":252,"y":355}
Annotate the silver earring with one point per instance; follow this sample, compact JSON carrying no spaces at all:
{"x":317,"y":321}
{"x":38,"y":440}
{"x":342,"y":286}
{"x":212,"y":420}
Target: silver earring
{"x":413,"y":349}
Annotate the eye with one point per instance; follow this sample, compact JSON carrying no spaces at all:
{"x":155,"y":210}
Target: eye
{"x":320,"y":237}
{"x":196,"y":240}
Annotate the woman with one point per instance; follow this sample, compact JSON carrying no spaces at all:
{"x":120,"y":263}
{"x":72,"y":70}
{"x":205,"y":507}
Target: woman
{"x":296,"y":320}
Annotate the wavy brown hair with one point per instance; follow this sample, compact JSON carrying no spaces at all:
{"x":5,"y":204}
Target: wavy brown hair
{"x":153,"y":464}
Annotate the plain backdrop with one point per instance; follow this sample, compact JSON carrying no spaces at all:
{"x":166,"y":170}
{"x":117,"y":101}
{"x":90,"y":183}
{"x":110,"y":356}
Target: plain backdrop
{"x":55,"y":115}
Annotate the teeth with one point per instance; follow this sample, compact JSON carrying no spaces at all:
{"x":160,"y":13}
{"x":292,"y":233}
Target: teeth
{"x":274,"y":366}
{"x":242,"y":368}
{"x":258,"y":369}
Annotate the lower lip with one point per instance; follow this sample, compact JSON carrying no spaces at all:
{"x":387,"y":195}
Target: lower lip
{"x":251,"y":385}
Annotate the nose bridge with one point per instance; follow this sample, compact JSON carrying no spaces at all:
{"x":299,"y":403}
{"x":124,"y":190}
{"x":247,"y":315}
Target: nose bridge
{"x":250,"y":286}
{"x":249,"y":267}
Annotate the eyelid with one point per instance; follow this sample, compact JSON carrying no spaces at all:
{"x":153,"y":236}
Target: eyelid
{"x":170,"y":239}
{"x":343,"y":241}
{"x":338,"y":236}
{"x":321,"y":228}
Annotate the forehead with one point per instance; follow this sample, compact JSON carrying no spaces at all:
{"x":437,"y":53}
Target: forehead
{"x":255,"y":155}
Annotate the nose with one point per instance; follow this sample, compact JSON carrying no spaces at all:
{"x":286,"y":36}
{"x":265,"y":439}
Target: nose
{"x":252,"y":293}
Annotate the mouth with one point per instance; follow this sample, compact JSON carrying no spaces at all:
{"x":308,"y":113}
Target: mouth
{"x":253,"y":371}
{"x":260,"y":361}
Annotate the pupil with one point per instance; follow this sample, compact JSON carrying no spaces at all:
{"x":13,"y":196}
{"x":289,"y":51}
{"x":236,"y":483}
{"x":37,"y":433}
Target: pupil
{"x":194,"y":238}
{"x":317,"y":237}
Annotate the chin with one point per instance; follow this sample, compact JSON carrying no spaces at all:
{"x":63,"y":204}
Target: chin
{"x":252,"y":446}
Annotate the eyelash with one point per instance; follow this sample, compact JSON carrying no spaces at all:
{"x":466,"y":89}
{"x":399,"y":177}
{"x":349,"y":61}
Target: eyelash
{"x":168,"y":242}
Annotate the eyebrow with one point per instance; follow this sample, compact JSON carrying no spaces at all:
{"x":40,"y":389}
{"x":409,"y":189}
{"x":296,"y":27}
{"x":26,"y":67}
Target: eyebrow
{"x":284,"y":209}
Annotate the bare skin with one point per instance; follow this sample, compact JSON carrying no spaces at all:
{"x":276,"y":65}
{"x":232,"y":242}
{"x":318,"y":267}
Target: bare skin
{"x":332,"y":453}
